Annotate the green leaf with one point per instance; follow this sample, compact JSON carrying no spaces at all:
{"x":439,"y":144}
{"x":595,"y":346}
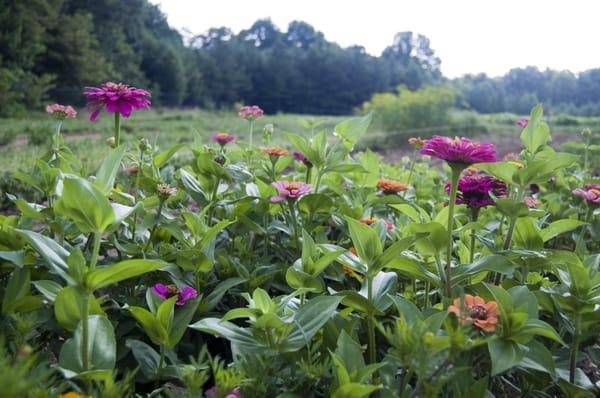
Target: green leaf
{"x":541,"y":328}
{"x":147,"y":358}
{"x":165,"y":312}
{"x":350,"y":130}
{"x":541,"y":169}
{"x":213,"y":231}
{"x":560,"y":227}
{"x":527,"y":235}
{"x":536,"y":133}
{"x":67,"y":307}
{"x":309,"y":319}
{"x":365,"y":240}
{"x":48,"y":288}
{"x":16,"y":288}
{"x":102,"y":346}
{"x":539,"y":358}
{"x":112,"y":274}
{"x":54,"y":254}
{"x":504,"y":355}
{"x":215,"y":296}
{"x":512,"y":208}
{"x":192,"y":187}
{"x":162,"y":158}
{"x":492,"y":262}
{"x":501,"y":170}
{"x":354,"y":390}
{"x":105,"y":177}
{"x":315,"y":203}
{"x":151,"y":326}
{"x":84,"y":204}
{"x":243,"y":338}
{"x":349,"y":352}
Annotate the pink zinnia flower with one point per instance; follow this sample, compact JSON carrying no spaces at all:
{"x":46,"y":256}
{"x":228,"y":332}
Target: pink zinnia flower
{"x":459,"y":150}
{"x":61,"y":111}
{"x":116,"y":97}
{"x":523,"y":122}
{"x":290,"y":190}
{"x":590,"y":192}
{"x":477,"y":190}
{"x":531,"y":202}
{"x":250,"y":112}
{"x":168,"y":291}
{"x":212,"y":393}
{"x":223,"y":138}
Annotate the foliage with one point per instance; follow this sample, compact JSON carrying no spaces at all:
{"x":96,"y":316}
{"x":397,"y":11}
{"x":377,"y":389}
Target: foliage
{"x":423,"y":108}
{"x":338,"y":291}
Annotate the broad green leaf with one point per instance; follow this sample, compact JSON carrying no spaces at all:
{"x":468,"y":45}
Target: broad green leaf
{"x":54,"y":254}
{"x":165,"y":313}
{"x":354,"y":390}
{"x":67,"y":307}
{"x":102,"y":346}
{"x":216,"y":294}
{"x":492,"y":262}
{"x":162,"y":158}
{"x":504,"y":355}
{"x":105,"y":177}
{"x":309,"y":319}
{"x":84,"y":204}
{"x":537,"y":132}
{"x":48,"y":288}
{"x":112,"y":274}
{"x":243,"y":338}
{"x":501,"y":170}
{"x":147,"y":358}
{"x":365,"y":240}
{"x":527,"y":235}
{"x":560,"y":227}
{"x":151,"y":326}
{"x":16,"y":288}
{"x":349,"y":352}
{"x":350,"y":130}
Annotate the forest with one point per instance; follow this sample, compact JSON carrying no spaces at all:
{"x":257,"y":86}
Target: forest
{"x":51,"y":49}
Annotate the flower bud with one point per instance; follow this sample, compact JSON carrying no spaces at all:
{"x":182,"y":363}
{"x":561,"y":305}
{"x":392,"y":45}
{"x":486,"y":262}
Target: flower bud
{"x":586,"y":133}
{"x":111,"y":142}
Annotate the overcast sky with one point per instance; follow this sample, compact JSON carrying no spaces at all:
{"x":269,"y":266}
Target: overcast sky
{"x":470,"y":36}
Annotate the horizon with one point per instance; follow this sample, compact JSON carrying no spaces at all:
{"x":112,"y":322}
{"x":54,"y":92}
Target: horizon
{"x":493,"y":50}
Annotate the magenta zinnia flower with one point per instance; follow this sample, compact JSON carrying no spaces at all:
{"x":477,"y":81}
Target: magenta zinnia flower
{"x":116,"y":97}
{"x":223,"y":138}
{"x":168,"y":291}
{"x":250,"y":112}
{"x":459,"y":150}
{"x":478,"y":190}
{"x":299,"y":156}
{"x":61,"y":111}
{"x":290,"y":190}
{"x":523,"y":122}
{"x":590,"y":192}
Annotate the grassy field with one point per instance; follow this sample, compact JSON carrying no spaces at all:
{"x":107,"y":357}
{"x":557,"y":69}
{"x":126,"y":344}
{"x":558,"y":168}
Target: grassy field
{"x":22,"y":141}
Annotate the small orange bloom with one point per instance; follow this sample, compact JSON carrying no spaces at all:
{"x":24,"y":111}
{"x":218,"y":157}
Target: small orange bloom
{"x":388,"y":186}
{"x":475,"y":310}
{"x":353,"y":250}
{"x":274,"y":151}
{"x":372,"y":220}
{"x":71,"y":394}
{"x":353,"y":274}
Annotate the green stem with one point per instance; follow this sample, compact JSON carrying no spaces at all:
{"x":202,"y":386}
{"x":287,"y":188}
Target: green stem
{"x":213,"y":198}
{"x":85,"y":331}
{"x":318,"y":183}
{"x":574,"y":348}
{"x":474,"y":216}
{"x":161,"y":363}
{"x":95,"y":250}
{"x":581,"y":238}
{"x":153,"y":231}
{"x":509,"y":233}
{"x":371,"y":324}
{"x":117,"y":129}
{"x":56,"y":138}
{"x":410,"y":173}
{"x":295,"y":225}
{"x":135,"y":191}
{"x":251,"y":134}
{"x":308,"y":170}
{"x":453,"y":192}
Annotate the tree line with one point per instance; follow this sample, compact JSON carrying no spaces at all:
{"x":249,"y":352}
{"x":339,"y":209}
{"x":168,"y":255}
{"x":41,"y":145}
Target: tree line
{"x":50,"y":49}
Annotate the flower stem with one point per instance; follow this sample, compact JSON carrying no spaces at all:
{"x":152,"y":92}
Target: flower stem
{"x":153,"y":231}
{"x":411,"y":171}
{"x":135,"y":191}
{"x":574,"y":348}
{"x":161,"y":363}
{"x":371,"y":324}
{"x":453,"y":192}
{"x":56,"y":138}
{"x":474,"y":215}
{"x":85,"y":313}
{"x":295,"y":225}
{"x":581,"y":238}
{"x":213,"y":198}
{"x":251,"y":134}
{"x":95,"y":250}
{"x":117,"y":129}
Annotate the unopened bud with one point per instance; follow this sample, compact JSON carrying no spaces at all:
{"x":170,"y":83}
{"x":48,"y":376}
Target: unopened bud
{"x":111,"y":142}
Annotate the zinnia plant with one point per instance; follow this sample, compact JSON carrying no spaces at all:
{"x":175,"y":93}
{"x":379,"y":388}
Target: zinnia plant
{"x":459,"y":153}
{"x":117,"y":98}
{"x":474,"y":310}
{"x":167,"y":291}
{"x":223,"y":139}
{"x":60,"y":113}
{"x":250,"y":113}
{"x":390,"y":187}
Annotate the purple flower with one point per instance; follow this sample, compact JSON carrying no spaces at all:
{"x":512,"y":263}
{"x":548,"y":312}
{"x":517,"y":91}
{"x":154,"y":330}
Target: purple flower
{"x":168,"y":291}
{"x":250,"y":112}
{"x":590,"y":192}
{"x":523,"y":122}
{"x":116,"y":97}
{"x":212,"y":393}
{"x":459,"y":150}
{"x":290,"y":190}
{"x":531,"y":202}
{"x":223,"y":138}
{"x":476,"y":190}
{"x":61,"y":111}
{"x":299,"y":156}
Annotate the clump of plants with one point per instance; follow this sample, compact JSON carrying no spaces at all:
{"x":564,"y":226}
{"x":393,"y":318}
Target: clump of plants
{"x":300,"y":268}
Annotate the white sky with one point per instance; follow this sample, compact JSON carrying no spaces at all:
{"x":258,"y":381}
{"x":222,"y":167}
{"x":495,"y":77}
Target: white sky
{"x":469,"y":36}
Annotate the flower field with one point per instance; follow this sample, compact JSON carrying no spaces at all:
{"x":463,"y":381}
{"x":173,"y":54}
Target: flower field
{"x":252,"y":268}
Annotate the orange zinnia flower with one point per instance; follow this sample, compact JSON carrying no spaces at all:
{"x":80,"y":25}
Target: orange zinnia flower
{"x":390,"y":186}
{"x":475,"y":310}
{"x":274,"y":151}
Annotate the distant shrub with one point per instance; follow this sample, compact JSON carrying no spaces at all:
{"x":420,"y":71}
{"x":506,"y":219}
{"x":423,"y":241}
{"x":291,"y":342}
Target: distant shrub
{"x":426,"y":107}
{"x":7,"y":136}
{"x":38,"y":135}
